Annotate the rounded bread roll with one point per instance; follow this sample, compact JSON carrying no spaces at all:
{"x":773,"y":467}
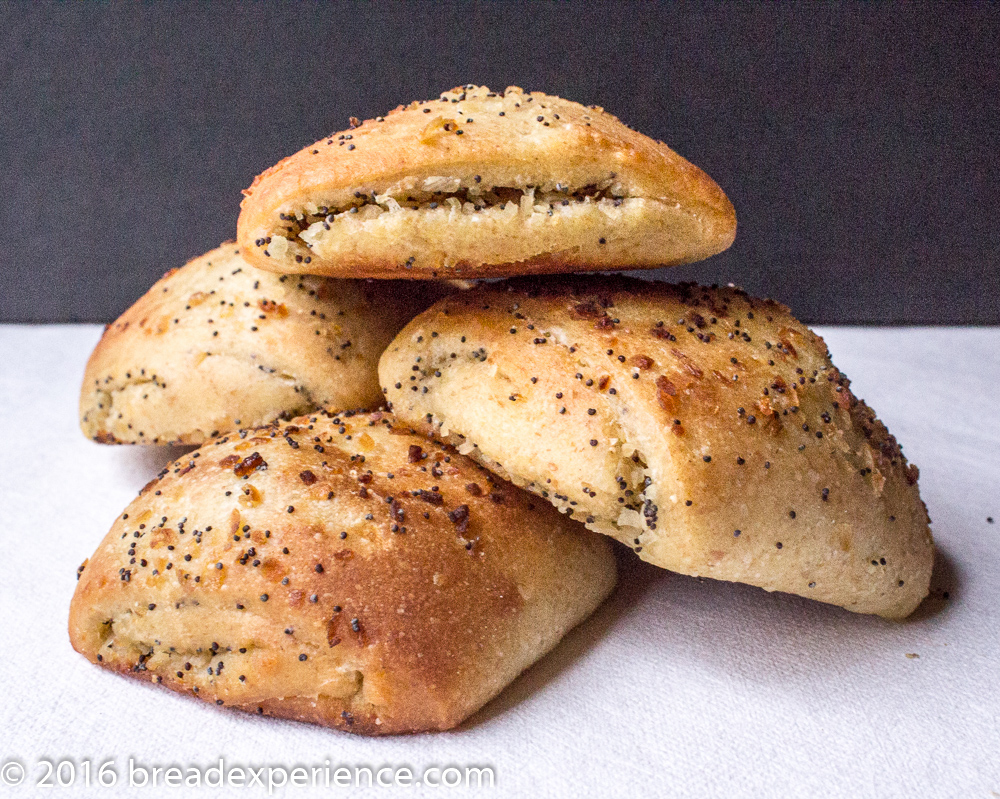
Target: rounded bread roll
{"x":338,"y":570}
{"x":478,"y":184}
{"x":707,"y":430}
{"x":218,"y":344}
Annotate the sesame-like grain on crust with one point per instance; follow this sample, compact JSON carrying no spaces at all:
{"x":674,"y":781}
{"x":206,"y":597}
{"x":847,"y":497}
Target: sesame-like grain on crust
{"x":706,"y":429}
{"x":479,"y":183}
{"x":218,"y":344}
{"x":336,"y":569}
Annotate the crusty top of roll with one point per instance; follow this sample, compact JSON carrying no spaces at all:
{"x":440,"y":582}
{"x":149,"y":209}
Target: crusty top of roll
{"x":706,"y":429}
{"x":218,"y":344}
{"x":480,"y":183}
{"x":338,"y":570}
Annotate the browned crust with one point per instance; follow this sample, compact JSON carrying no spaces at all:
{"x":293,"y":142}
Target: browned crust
{"x":218,"y":344}
{"x":412,"y":584}
{"x":763,"y":466}
{"x":514,"y":139}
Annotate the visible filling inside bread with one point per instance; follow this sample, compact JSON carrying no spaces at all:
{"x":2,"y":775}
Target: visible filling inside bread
{"x":136,"y":408}
{"x":194,"y":647}
{"x":324,"y":228}
{"x":465,"y":196}
{"x":637,"y":512}
{"x":626,"y":510}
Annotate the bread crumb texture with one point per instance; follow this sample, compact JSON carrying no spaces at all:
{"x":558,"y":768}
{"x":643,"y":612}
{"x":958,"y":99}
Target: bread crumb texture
{"x":479,"y":183}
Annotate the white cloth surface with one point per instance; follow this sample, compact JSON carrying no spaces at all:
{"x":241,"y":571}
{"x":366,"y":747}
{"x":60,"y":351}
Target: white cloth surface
{"x":675,"y":687}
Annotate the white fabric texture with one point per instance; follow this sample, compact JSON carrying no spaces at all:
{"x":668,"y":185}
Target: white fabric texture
{"x":675,"y":687}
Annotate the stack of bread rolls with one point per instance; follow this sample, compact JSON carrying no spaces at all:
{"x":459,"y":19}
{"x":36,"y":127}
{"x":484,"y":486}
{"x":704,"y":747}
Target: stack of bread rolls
{"x":408,"y":480}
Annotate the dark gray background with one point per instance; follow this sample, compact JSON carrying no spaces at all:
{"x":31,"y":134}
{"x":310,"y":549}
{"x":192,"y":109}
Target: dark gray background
{"x":858,"y":143}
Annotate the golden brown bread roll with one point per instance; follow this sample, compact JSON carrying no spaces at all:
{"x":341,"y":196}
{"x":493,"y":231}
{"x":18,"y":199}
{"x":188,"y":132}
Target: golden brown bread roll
{"x":337,"y":570}
{"x":706,"y":429}
{"x":218,"y":344}
{"x":480,"y":183}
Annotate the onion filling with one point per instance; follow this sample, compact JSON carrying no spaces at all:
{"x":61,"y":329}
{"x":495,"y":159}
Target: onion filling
{"x":449,"y":193}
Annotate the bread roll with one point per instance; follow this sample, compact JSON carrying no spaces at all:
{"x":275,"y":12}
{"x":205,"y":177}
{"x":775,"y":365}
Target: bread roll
{"x":706,"y":429}
{"x":218,"y":344}
{"x":337,"y":570}
{"x":480,"y":183}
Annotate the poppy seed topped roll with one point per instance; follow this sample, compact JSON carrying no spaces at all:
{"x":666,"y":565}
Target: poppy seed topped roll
{"x":217,"y":344}
{"x":706,"y":429}
{"x":480,"y":183}
{"x":338,"y":570}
